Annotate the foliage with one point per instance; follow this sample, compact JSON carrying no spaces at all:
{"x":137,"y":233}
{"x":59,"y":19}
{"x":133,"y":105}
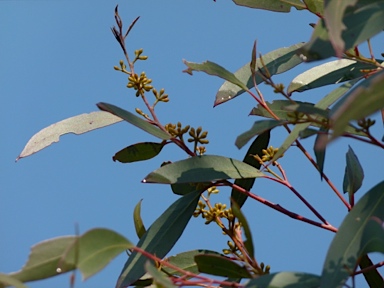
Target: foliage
{"x":343,"y":112}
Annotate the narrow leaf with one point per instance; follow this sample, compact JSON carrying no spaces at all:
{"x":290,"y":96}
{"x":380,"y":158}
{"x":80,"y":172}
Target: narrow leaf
{"x":139,"y":225}
{"x":348,"y":246}
{"x":354,"y":174}
{"x":134,"y":120}
{"x":138,"y":152}
{"x":277,"y":61}
{"x":158,"y":278}
{"x":320,"y":154}
{"x":261,"y":142}
{"x":160,"y":237}
{"x":272,"y":5}
{"x":308,"y":109}
{"x":257,"y":128}
{"x":285,"y":280}
{"x":220,"y":266}
{"x":202,"y":169}
{"x":77,"y":125}
{"x":6,"y":280}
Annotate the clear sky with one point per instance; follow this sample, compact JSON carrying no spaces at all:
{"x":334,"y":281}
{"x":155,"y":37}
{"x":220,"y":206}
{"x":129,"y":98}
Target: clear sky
{"x":57,"y":61}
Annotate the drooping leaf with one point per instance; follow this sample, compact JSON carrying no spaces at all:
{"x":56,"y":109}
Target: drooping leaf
{"x":329,"y":73}
{"x":134,"y":120}
{"x":361,"y":23}
{"x":354,"y":174}
{"x":347,"y":246}
{"x":315,"y":6}
{"x":220,"y":266}
{"x":285,"y":280}
{"x":183,"y":188}
{"x":308,"y":132}
{"x":272,"y":5}
{"x":6,"y":280}
{"x":320,"y":154}
{"x":158,"y":278}
{"x":138,"y":152}
{"x":139,"y":225}
{"x":44,"y":260}
{"x":277,"y":61}
{"x":248,"y":243}
{"x":257,"y":128}
{"x":212,"y":68}
{"x":77,"y":125}
{"x":261,"y":142}
{"x":93,"y":250}
{"x":202,"y":169}
{"x":160,"y":237}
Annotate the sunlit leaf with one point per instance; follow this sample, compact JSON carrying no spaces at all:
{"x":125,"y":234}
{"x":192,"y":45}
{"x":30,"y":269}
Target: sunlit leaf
{"x":277,"y":61}
{"x":6,"y":280}
{"x":138,"y":152}
{"x":93,"y":250}
{"x":202,"y":169}
{"x":354,"y":174}
{"x":139,"y":225}
{"x":77,"y":125}
{"x":285,"y":280}
{"x":134,"y":120}
{"x":261,"y":142}
{"x":272,"y":5}
{"x":160,"y":237}
{"x":158,"y":278}
{"x":220,"y":266}
{"x":347,"y":246}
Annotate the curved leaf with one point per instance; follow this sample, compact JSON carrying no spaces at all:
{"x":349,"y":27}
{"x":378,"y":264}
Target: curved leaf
{"x":354,"y":174}
{"x":77,"y":125}
{"x":138,"y":152}
{"x":272,"y":5}
{"x":159,"y":279}
{"x":93,"y":250}
{"x":220,"y":266}
{"x":139,"y":225}
{"x":261,"y":142}
{"x":160,"y":237}
{"x":134,"y":120}
{"x":320,"y":154}
{"x":202,"y":169}
{"x":6,"y":280}
{"x":315,"y":6}
{"x":285,"y":280}
{"x":277,"y":61}
{"x":347,"y":246}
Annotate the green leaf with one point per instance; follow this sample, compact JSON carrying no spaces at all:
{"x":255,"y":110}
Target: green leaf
{"x":139,"y":225}
{"x":160,"y":237}
{"x":315,"y":6}
{"x":372,"y":276}
{"x":6,"y":280}
{"x":159,"y":279}
{"x":361,"y":24}
{"x":277,"y":61}
{"x":285,"y":280}
{"x":183,"y":188}
{"x":220,"y":266}
{"x":134,"y":120}
{"x":44,"y":260}
{"x":308,"y":132}
{"x":354,"y":174}
{"x":248,"y":243}
{"x":138,"y":152}
{"x":320,"y":154}
{"x":272,"y":5}
{"x":215,"y":70}
{"x":348,"y":246}
{"x":202,"y":169}
{"x":77,"y":125}
{"x":261,"y":142}
{"x":308,"y":109}
{"x":373,"y":236}
{"x":257,"y":128}
{"x":329,"y":73}
{"x":93,"y":250}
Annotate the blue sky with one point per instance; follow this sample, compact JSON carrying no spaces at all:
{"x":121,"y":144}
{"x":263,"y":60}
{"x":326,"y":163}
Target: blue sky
{"x":57,"y":61}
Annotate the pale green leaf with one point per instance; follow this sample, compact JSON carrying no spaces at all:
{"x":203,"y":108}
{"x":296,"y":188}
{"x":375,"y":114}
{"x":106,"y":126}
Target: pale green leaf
{"x":285,"y":280}
{"x":159,"y":279}
{"x":6,"y":280}
{"x":139,"y":225}
{"x":272,"y":5}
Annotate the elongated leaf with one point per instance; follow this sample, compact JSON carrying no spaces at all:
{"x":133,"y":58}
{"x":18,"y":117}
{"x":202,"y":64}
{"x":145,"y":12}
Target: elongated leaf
{"x":6,"y":280}
{"x":320,"y":154}
{"x":44,"y":260}
{"x":348,"y":245}
{"x":202,"y":169}
{"x":285,"y":280}
{"x":361,"y":24}
{"x":315,"y":6}
{"x":134,"y":120}
{"x":329,"y":73}
{"x":212,"y":68}
{"x":138,"y":152}
{"x":139,"y":225}
{"x":248,"y":243}
{"x":160,"y":237}
{"x":308,"y":109}
{"x":261,"y":142}
{"x":257,"y":128}
{"x":354,"y":174}
{"x":77,"y":125}
{"x":277,"y":61}
{"x":94,"y":250}
{"x":158,"y":278}
{"x":220,"y":266}
{"x":272,"y":5}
